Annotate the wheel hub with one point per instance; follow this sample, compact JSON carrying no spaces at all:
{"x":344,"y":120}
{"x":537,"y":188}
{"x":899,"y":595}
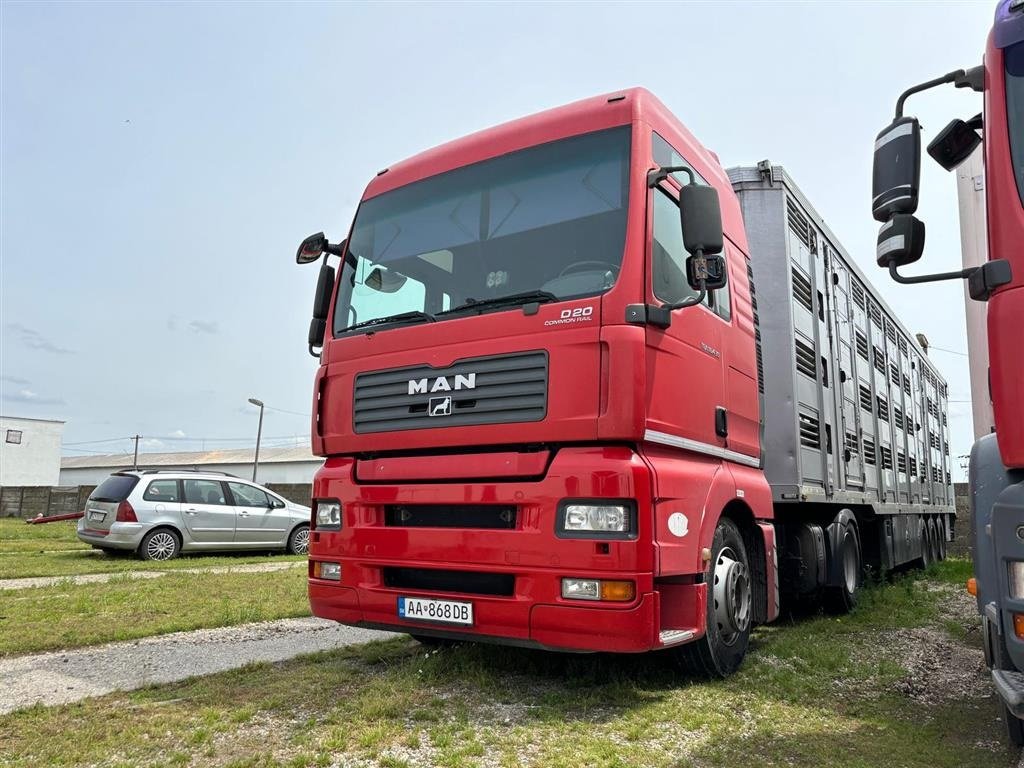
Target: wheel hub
{"x":731,"y":593}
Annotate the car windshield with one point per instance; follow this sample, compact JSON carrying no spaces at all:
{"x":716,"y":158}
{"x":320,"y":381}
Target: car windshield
{"x":548,"y":222}
{"x":1015,"y":110}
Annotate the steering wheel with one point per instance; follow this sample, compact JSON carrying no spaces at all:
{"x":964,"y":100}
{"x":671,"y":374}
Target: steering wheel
{"x":577,"y":266}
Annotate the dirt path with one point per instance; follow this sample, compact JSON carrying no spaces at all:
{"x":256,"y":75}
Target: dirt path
{"x":94,"y":578}
{"x":62,"y":677}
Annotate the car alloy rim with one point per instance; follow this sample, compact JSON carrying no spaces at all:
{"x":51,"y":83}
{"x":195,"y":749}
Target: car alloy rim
{"x":732,"y":596}
{"x":161,"y":546}
{"x":301,"y":541}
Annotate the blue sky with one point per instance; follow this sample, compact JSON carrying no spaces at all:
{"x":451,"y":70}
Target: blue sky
{"x":160,"y":163}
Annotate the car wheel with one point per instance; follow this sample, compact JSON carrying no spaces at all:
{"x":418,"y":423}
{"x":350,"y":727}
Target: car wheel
{"x":730,"y":602}
{"x":842,"y":598}
{"x":161,"y":544}
{"x":298,"y":542}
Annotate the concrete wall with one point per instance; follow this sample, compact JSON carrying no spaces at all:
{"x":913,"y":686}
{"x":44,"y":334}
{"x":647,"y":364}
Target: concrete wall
{"x":286,"y":472}
{"x":35,"y":461}
{"x":961,"y":544}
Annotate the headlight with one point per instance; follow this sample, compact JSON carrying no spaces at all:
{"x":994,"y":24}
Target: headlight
{"x":593,"y":519}
{"x":596,"y":589}
{"x":328,"y":515}
{"x":1015,"y":571}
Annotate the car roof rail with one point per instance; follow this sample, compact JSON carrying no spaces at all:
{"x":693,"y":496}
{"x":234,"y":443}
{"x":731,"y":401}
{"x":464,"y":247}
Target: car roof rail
{"x":197,"y":471}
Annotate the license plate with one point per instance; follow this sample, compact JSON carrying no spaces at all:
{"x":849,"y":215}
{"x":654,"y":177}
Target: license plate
{"x":441,"y":611}
{"x":97,"y":516}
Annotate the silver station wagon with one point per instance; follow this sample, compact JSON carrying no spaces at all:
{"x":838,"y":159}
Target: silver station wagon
{"x":160,"y":513}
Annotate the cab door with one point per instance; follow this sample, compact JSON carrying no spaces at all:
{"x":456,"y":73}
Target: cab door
{"x":685,"y":387}
{"x":258,"y":518}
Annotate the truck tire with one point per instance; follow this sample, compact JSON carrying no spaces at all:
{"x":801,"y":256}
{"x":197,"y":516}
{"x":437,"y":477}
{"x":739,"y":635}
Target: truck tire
{"x":843,"y":597}
{"x":729,"y":611}
{"x":933,"y":539}
{"x":940,"y":532}
{"x":926,"y":549}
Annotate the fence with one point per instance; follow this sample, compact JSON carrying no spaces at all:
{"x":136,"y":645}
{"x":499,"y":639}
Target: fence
{"x":34,"y":500}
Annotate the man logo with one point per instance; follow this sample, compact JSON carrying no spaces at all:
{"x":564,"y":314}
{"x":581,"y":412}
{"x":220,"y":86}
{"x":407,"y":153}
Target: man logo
{"x":441,"y":384}
{"x":440,"y":406}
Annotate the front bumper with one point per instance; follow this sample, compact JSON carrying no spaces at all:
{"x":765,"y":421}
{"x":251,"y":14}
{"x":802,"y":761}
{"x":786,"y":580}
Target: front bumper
{"x":121,"y":535}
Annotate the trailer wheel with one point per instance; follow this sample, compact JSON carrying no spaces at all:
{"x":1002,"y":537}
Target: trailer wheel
{"x":843,"y":597}
{"x":940,"y":538}
{"x":730,"y":601}
{"x":926,"y":547}
{"x":933,"y":539}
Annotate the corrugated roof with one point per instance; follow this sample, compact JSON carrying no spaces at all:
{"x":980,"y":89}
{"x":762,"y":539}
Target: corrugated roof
{"x":190,"y":458}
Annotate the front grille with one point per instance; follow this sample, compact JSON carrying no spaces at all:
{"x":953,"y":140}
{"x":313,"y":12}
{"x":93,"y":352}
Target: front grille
{"x":485,"y":390}
{"x":466,"y":582}
{"x":495,"y":516}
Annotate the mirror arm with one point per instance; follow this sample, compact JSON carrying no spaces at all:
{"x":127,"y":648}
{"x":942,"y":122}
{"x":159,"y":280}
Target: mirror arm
{"x":908,"y":280}
{"x":690,"y":302}
{"x":657,"y":175}
{"x":973,"y":78}
{"x":315,"y":354}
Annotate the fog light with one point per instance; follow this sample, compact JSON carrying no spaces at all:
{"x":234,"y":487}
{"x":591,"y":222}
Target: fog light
{"x":619,"y":591}
{"x":1015,"y":571}
{"x":581,"y":589}
{"x":329,"y":571}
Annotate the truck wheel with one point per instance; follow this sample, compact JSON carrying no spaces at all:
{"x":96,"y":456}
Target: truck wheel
{"x":161,"y":544}
{"x":940,"y":538}
{"x":1014,"y":726}
{"x":720,"y":652}
{"x":842,"y":598}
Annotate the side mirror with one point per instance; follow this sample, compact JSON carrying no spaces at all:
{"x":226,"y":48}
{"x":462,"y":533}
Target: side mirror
{"x":900,"y":241}
{"x":321,"y":305}
{"x":701,"y":217}
{"x":311,"y":249}
{"x":896,"y":176}
{"x":954,"y":144}
{"x":710,"y":270}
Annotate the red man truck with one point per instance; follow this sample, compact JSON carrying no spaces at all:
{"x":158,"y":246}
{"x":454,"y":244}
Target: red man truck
{"x":997,"y":460}
{"x":556,"y":412}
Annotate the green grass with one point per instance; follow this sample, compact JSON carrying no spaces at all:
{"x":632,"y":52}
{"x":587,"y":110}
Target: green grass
{"x":66,"y":615}
{"x":817,"y":691}
{"x":53,"y":549}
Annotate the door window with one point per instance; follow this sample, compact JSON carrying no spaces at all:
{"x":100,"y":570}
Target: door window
{"x":204,"y":492}
{"x":248,"y":496}
{"x":162,"y":490}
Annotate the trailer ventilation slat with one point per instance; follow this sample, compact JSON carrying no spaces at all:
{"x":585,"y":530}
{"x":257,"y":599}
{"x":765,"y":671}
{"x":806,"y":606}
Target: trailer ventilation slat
{"x":505,"y":389}
{"x":913,"y":467}
{"x":901,"y":462}
{"x":869,"y":451}
{"x":865,"y":398}
{"x":798,"y":222}
{"x":879,"y":355}
{"x":886,"y":457}
{"x":897,"y":416}
{"x":810,"y":436}
{"x":757,"y":330}
{"x":883,"y":408}
{"x":906,"y":383}
{"x":902,"y":343}
{"x":862,"y":344}
{"x":894,"y":374}
{"x":851,"y":443}
{"x":933,"y":440}
{"x":858,"y":294}
{"x":805,"y":363}
{"x":802,"y":291}
{"x":890,"y":331}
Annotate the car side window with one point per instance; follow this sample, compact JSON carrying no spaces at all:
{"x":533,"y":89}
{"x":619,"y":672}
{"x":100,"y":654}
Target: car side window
{"x":204,"y":492}
{"x":162,"y":490}
{"x":248,"y":496}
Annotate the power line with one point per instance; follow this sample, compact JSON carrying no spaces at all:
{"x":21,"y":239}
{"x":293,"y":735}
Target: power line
{"x":951,"y":351}
{"x":282,"y":410}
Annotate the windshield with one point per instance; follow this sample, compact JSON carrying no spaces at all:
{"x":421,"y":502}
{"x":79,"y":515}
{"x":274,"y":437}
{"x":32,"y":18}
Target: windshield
{"x":1015,"y":111}
{"x":550,"y":219}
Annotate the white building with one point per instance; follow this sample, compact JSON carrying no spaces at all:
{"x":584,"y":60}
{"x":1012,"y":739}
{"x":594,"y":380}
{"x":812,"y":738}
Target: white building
{"x":29,"y":451}
{"x":277,"y":465}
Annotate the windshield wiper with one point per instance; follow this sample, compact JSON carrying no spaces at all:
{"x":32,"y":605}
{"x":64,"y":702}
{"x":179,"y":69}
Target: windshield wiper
{"x":400,"y":317}
{"x":501,"y":301}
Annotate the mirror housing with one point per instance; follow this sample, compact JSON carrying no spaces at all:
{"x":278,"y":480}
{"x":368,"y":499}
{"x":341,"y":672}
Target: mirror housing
{"x":317,"y":331}
{"x":708,"y":272}
{"x":321,"y":305}
{"x":311,"y":249}
{"x":900,"y":241}
{"x":896,"y":176}
{"x":701,"y":217}
{"x":954,"y":144}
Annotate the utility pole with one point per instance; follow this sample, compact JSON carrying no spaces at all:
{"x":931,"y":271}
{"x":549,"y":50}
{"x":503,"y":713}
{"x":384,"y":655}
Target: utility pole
{"x":135,"y":460}
{"x":259,"y":433}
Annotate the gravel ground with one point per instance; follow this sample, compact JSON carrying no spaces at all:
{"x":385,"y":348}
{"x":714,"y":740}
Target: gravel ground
{"x":93,"y":578}
{"x":62,"y":677}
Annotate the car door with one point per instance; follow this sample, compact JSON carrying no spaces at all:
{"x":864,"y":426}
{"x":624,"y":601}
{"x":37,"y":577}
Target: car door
{"x":258,"y":517}
{"x":208,"y":516}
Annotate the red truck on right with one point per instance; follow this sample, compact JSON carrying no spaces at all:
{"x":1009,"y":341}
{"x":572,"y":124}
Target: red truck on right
{"x":997,"y":459}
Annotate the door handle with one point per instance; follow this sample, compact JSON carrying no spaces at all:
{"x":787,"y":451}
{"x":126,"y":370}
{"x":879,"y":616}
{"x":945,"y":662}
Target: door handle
{"x":191,"y":511}
{"x":243,"y":514}
{"x":721,"y":422}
